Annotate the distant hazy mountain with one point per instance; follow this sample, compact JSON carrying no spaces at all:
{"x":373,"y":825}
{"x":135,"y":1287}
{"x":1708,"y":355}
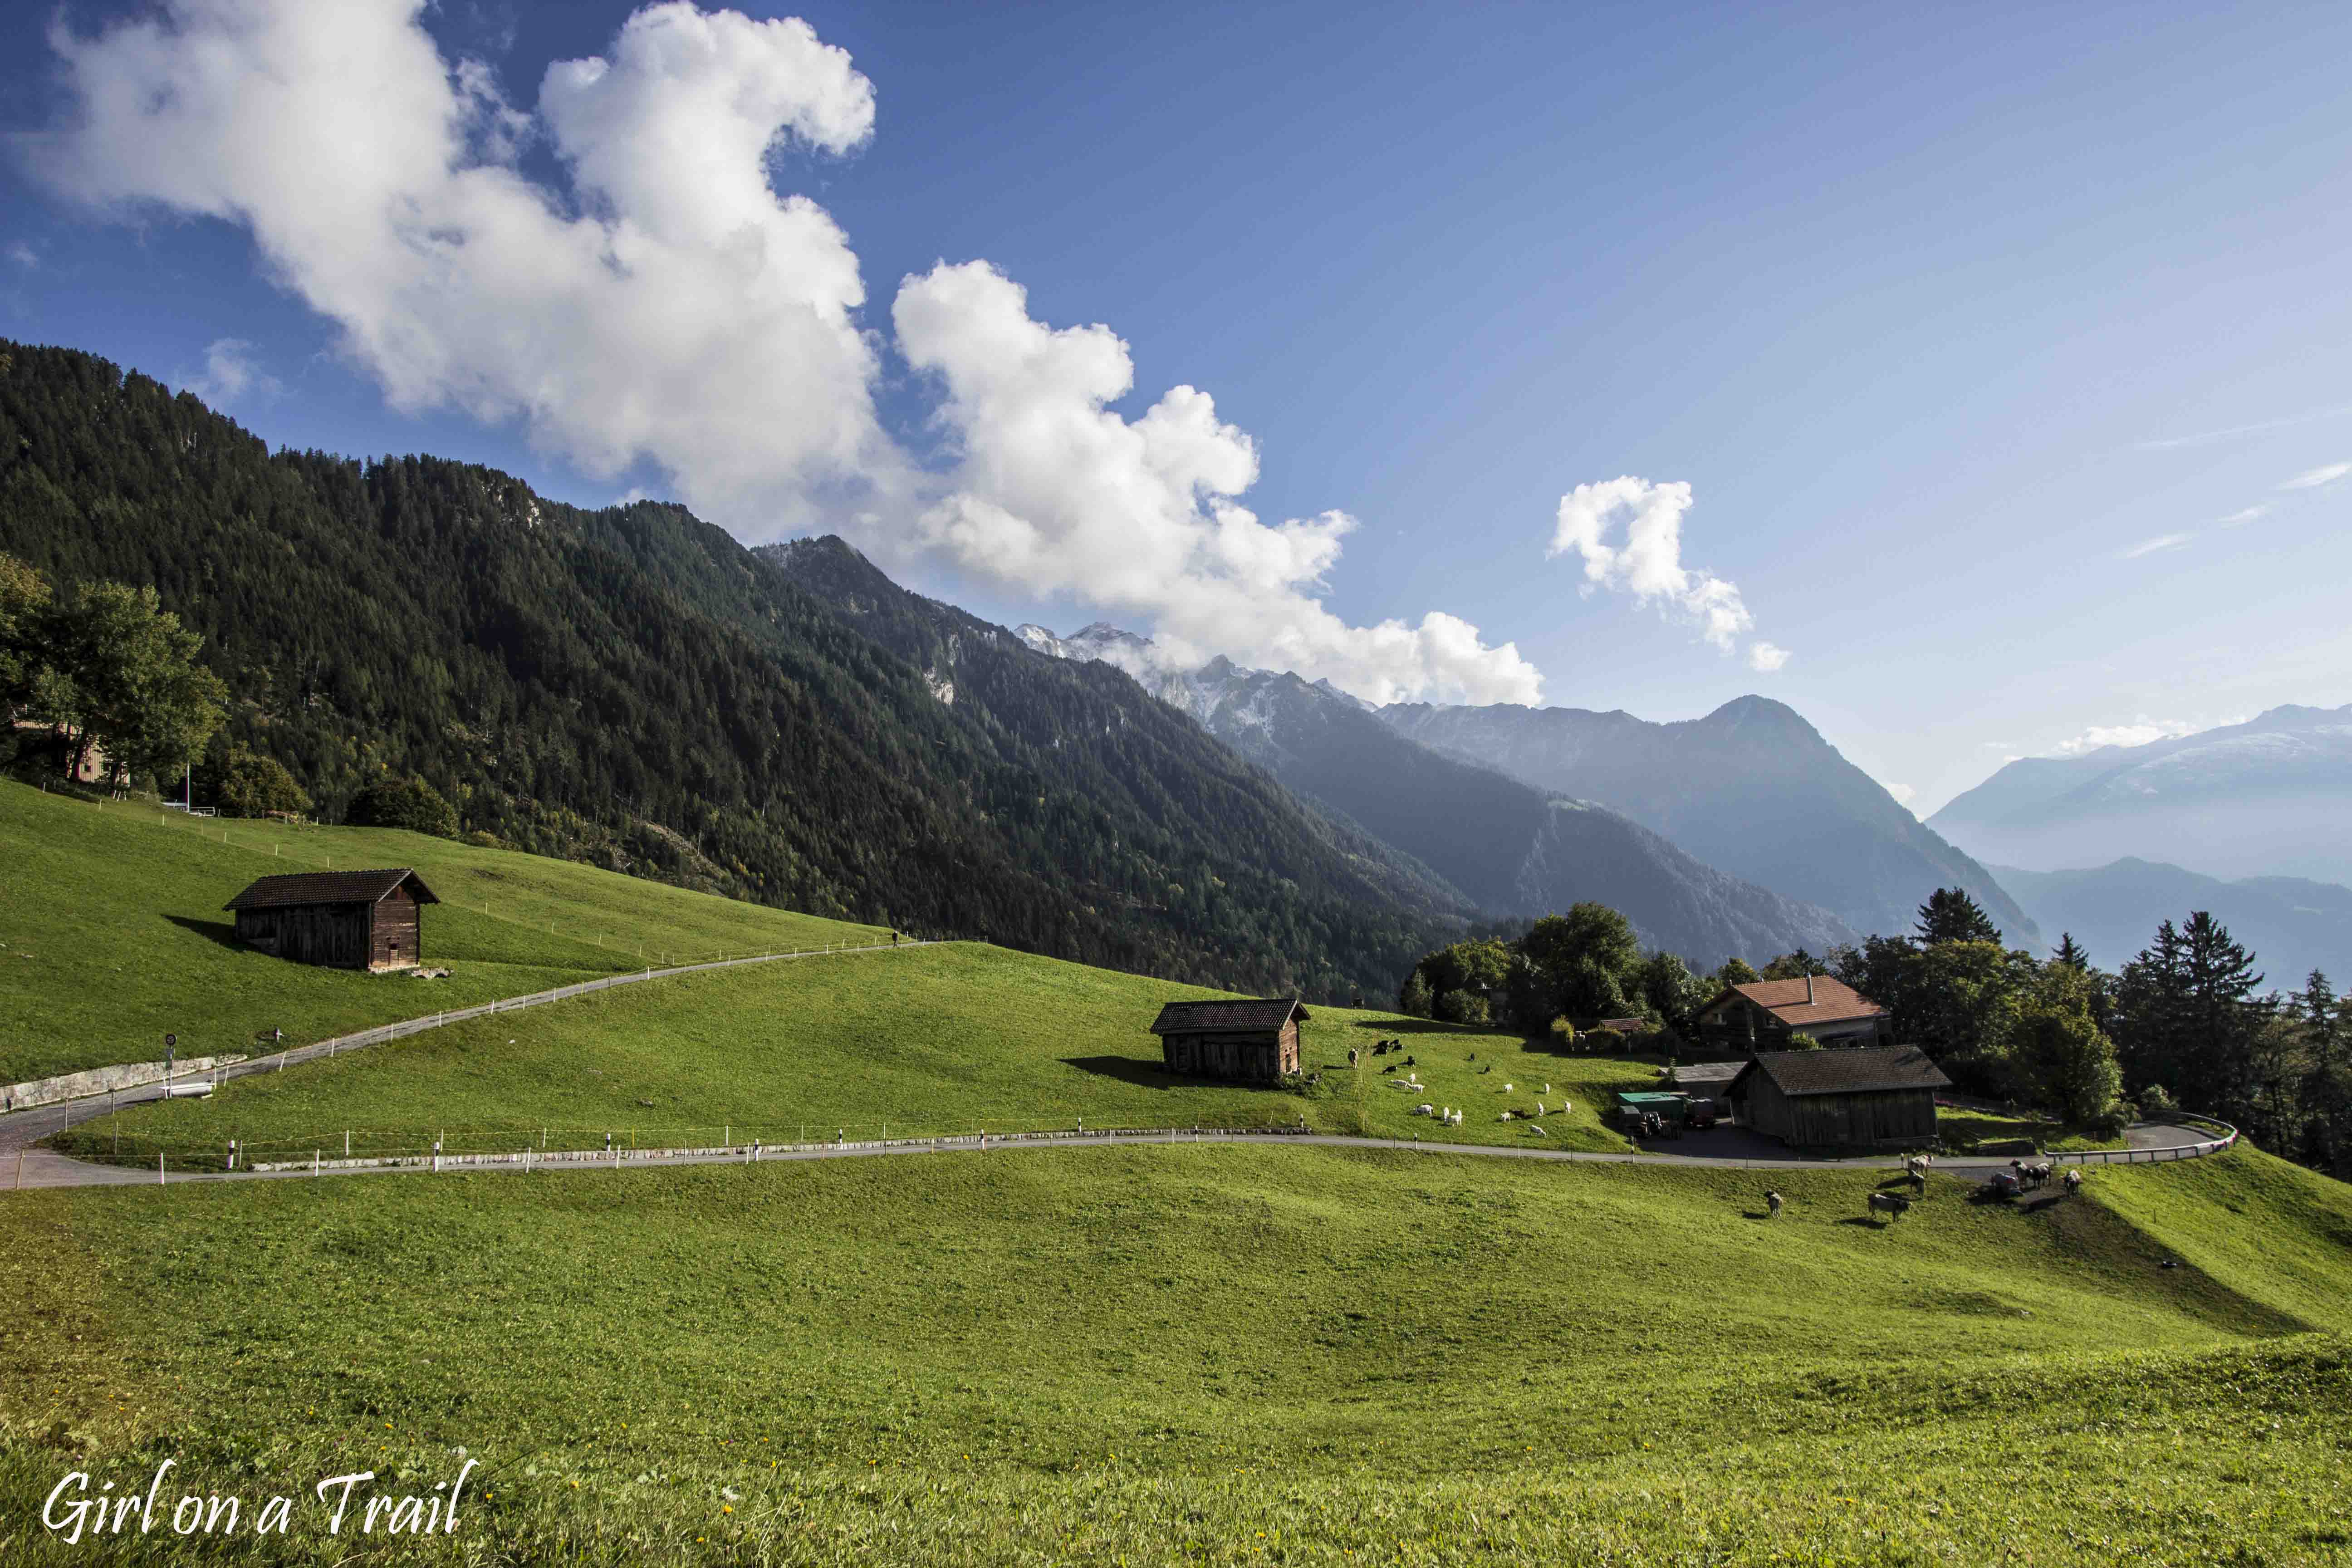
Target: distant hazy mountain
{"x":2272,"y":797}
{"x":2293,"y":926}
{"x":1512,"y":849}
{"x":1750,"y":789}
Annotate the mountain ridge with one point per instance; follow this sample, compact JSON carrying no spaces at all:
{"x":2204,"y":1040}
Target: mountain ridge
{"x":603,"y":685}
{"x":1515,"y":851}
{"x":2266,"y":797}
{"x":1750,"y":788}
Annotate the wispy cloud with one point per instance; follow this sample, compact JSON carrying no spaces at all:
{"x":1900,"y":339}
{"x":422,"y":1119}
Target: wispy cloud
{"x":1765,"y":657}
{"x":2316,"y":478}
{"x":2242,"y":517}
{"x":2141,"y":731}
{"x":22,"y":254}
{"x":230,"y":373}
{"x":2162,"y":541}
{"x":2206,"y":437}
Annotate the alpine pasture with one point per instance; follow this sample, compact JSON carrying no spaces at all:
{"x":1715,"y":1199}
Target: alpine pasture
{"x":1181,"y":1353}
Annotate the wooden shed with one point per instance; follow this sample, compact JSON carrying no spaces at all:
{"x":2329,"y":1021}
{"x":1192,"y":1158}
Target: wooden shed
{"x":1255,"y":1042}
{"x":343,"y":920}
{"x":1879,"y":1097}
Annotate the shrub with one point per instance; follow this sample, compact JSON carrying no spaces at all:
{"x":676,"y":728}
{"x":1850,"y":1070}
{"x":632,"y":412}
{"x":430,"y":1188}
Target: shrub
{"x":1464,"y":1007}
{"x":412,"y":804}
{"x":1802,"y":1041}
{"x":2156,"y":1102}
{"x":1563,"y":1034}
{"x":248,"y":783}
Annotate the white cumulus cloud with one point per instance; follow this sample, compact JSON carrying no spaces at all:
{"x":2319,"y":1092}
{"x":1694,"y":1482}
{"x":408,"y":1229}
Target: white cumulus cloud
{"x":1648,"y":563}
{"x":1055,"y":492}
{"x":659,"y":300}
{"x":668,"y":304}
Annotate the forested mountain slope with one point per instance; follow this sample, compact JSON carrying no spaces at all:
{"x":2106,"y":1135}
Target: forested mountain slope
{"x":1751,"y":789}
{"x":631,"y":686}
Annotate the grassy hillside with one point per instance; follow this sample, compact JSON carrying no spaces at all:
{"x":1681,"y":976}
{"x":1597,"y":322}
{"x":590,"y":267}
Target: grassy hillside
{"x":1208,"y":1353}
{"x":940,"y":1040}
{"x":114,"y":932}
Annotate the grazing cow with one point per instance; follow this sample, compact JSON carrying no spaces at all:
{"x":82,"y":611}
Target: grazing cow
{"x":1772,"y":1200}
{"x":2073,"y":1180}
{"x":1893,"y":1204}
{"x":1920,"y":1184}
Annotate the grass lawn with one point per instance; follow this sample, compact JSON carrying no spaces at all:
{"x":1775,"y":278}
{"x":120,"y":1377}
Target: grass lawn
{"x":1203,"y":1353}
{"x":947,"y":1038}
{"x":111,"y":931}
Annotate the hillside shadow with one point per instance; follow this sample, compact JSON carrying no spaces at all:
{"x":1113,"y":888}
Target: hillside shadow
{"x":1865,"y":1222}
{"x":221,"y":932}
{"x":1127,"y":1069}
{"x":1399,"y":1026}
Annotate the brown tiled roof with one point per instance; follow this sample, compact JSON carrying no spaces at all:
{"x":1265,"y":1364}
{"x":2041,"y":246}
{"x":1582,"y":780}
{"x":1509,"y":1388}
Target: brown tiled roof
{"x":1833,"y":1001}
{"x":330,"y":888}
{"x":1833,"y":1071}
{"x":1222,"y":1017}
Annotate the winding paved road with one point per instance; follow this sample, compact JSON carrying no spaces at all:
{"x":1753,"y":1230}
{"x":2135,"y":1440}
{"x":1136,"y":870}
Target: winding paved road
{"x":30,"y":1168}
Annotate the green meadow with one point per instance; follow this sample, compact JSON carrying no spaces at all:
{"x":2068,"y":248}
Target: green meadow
{"x":1179,"y":1353}
{"x":114,"y":934}
{"x":1204,"y":1354}
{"x":955,"y":1038}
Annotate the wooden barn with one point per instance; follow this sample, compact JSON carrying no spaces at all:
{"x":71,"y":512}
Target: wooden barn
{"x":1879,"y":1097}
{"x":343,"y":920}
{"x":1255,"y":1042}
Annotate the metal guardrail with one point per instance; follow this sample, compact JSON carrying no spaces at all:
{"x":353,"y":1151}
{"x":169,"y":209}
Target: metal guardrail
{"x":2227,"y":1137}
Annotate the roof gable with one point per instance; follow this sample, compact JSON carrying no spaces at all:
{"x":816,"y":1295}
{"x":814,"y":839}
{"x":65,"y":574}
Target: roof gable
{"x":1259,"y":1015}
{"x":1834,"y":1001}
{"x":301,"y":888}
{"x":1831,"y":1071}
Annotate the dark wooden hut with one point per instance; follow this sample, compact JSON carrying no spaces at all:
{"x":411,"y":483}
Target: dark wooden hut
{"x":1881,"y":1097}
{"x":1255,"y":1042}
{"x":343,"y":920}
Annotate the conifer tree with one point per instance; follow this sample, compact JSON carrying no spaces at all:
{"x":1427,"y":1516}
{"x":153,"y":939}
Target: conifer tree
{"x":1950,"y":915}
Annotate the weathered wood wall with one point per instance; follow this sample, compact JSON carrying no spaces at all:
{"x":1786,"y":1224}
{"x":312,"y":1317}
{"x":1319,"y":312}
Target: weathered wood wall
{"x":335,"y":935}
{"x":398,"y":941}
{"x":1262,"y":1057}
{"x":1903,"y":1117}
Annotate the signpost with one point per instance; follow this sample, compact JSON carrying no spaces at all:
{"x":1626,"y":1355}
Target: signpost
{"x":170,"y":1049}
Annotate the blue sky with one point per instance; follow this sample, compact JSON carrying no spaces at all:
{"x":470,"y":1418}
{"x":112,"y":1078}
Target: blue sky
{"x":2000,"y":352}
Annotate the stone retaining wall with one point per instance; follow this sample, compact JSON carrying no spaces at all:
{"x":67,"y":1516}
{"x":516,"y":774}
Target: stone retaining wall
{"x":102,"y":1080}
